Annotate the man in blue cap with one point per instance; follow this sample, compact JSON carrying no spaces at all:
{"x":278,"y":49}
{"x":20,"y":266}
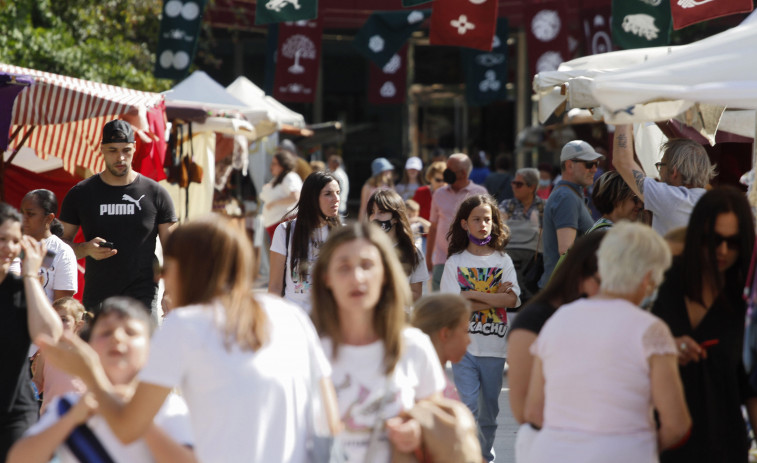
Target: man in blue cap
{"x":121,"y":213}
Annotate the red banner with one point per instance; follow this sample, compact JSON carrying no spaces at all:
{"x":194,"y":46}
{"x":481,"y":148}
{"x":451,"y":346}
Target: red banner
{"x":546,"y":36}
{"x":464,"y":23}
{"x":688,"y":12}
{"x":597,"y":27}
{"x":298,"y":56}
{"x":387,"y":85}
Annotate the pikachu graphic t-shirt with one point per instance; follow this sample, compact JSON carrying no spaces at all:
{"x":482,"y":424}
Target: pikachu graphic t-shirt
{"x":467,"y":272}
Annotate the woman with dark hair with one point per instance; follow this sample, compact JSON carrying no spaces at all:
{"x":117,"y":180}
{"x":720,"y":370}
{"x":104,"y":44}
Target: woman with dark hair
{"x":701,"y":300}
{"x":387,"y":210}
{"x":295,"y":243}
{"x":577,"y":277}
{"x":245,"y":362}
{"x":26,"y":313}
{"x":614,"y":200}
{"x":282,"y":192}
{"x":60,"y":278}
{"x":381,"y":366}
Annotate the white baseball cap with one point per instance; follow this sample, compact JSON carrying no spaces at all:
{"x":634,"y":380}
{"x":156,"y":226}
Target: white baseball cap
{"x":414,"y":163}
{"x":579,"y":150}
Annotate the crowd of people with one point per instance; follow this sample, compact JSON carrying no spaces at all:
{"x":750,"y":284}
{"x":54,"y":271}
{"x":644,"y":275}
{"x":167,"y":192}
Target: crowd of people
{"x":626,"y":343}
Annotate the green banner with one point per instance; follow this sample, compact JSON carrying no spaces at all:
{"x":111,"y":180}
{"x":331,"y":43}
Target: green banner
{"x":383,"y":34}
{"x":486,"y":71}
{"x":407,"y":3}
{"x":278,"y":11}
{"x":641,"y":23}
{"x":179,"y":29}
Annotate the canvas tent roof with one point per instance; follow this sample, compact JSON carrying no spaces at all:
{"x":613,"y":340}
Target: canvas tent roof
{"x":68,"y":114}
{"x":253,"y":96}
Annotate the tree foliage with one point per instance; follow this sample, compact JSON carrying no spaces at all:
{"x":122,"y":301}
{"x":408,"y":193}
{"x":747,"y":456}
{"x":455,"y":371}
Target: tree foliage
{"x":109,"y":41}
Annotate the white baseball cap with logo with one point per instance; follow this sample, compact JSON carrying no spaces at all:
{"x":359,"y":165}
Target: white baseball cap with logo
{"x":579,"y":150}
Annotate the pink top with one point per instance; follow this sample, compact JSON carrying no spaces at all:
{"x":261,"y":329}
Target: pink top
{"x":57,"y":382}
{"x":444,"y":204}
{"x":597,"y":390}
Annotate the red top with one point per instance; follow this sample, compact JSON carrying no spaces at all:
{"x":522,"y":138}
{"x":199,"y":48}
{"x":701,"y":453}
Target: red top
{"x":423,"y":197}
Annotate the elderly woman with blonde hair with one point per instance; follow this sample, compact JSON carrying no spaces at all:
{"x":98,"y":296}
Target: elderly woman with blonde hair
{"x":602,"y":365}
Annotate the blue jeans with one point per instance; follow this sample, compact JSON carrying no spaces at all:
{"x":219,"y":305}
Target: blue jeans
{"x":479,"y":382}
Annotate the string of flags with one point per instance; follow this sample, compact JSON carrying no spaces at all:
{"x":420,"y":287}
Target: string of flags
{"x":294,"y":44}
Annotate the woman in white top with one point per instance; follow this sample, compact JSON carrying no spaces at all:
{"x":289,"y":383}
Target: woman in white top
{"x":296,"y":243}
{"x":380,"y":365}
{"x":387,"y":210}
{"x":602,"y":365}
{"x":245,"y":363}
{"x":38,"y":209}
{"x":282,"y":192}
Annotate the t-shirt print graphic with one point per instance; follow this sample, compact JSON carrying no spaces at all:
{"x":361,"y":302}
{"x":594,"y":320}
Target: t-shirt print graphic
{"x":122,"y":208}
{"x":490,"y":322}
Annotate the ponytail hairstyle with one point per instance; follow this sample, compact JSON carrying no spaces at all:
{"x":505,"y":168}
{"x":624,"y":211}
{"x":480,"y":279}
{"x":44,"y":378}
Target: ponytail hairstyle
{"x":48,"y":202}
{"x":390,"y":201}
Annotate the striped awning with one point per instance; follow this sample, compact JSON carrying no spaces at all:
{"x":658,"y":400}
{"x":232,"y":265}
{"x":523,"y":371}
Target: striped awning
{"x":67,"y":115}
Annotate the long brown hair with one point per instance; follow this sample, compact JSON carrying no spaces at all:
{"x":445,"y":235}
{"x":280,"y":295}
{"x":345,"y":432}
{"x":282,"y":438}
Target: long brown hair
{"x":458,"y":238}
{"x":389,"y":313}
{"x":287,"y":162}
{"x":390,"y":201}
{"x":214,"y":261}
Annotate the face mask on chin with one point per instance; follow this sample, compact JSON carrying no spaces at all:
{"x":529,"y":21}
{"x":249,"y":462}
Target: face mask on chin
{"x":449,"y":176}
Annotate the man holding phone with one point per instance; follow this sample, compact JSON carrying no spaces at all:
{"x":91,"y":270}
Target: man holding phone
{"x":121,"y":213}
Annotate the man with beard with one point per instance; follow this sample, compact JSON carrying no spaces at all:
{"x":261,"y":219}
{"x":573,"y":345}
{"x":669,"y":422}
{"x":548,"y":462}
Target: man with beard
{"x":121,"y":213}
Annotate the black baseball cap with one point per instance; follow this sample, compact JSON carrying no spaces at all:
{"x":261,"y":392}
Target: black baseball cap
{"x":118,"y":131}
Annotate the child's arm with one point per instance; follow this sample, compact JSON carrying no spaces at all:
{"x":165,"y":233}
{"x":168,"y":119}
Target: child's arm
{"x":39,"y":448}
{"x":504,"y":297}
{"x":165,"y":449}
{"x":425,"y":223}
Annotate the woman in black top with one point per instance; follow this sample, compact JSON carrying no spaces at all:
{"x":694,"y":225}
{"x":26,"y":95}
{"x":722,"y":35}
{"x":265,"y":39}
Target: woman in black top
{"x":576,"y":277}
{"x":701,"y":302}
{"x":25,"y":314}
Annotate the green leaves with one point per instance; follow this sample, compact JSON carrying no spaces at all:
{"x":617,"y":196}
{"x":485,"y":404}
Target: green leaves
{"x":111,"y":41}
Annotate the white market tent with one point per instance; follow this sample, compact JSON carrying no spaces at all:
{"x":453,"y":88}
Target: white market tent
{"x":253,"y":96}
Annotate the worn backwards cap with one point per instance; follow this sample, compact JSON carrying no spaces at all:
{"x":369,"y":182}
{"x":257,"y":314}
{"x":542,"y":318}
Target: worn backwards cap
{"x":579,"y":150}
{"x":118,"y":131}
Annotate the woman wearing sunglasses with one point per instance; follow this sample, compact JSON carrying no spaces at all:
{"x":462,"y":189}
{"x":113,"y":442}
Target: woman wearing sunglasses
{"x":701,"y":302}
{"x":523,"y":214}
{"x":614,"y":200}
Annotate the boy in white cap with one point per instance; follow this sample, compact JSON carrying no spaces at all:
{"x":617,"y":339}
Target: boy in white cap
{"x":566,"y":215}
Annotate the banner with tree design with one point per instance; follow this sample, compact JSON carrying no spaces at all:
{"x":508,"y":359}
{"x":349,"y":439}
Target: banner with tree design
{"x":297,"y":61}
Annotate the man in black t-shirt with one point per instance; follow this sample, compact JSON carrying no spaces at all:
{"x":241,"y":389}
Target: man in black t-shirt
{"x":121,"y":213}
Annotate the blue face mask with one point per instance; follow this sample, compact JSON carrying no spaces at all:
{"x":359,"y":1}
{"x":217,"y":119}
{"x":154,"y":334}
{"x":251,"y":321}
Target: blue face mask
{"x":544,"y":183}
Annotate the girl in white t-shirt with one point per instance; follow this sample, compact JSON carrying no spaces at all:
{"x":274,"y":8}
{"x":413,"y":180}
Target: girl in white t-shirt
{"x":119,"y":338}
{"x":282,"y":192}
{"x":387,"y":210}
{"x":479,"y":270}
{"x":38,"y":209}
{"x":296,"y":243}
{"x":380,"y":366}
{"x":245,"y":363}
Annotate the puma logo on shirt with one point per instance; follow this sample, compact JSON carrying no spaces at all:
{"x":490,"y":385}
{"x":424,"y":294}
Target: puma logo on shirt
{"x":121,"y":209}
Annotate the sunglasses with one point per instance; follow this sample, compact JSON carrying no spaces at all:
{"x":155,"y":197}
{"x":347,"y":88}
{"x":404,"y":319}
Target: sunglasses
{"x":590,"y":164}
{"x":732,"y":242}
{"x":517,"y":183}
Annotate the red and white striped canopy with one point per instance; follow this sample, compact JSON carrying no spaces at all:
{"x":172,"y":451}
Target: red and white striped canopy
{"x":69,"y":114}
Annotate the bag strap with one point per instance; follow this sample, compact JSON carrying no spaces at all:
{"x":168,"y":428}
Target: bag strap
{"x":82,"y":442}
{"x":287,"y":231}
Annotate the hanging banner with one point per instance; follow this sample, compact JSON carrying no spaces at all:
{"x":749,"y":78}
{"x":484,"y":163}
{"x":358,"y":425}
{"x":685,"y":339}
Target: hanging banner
{"x":383,"y":34}
{"x":177,"y":40}
{"x":641,"y":23}
{"x":597,"y":30}
{"x":298,"y":57}
{"x":407,"y":3}
{"x":546,"y":36}
{"x":486,"y":72}
{"x":271,"y":45}
{"x":278,"y":11}
{"x":688,"y":12}
{"x":464,"y":23}
{"x":387,"y":85}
